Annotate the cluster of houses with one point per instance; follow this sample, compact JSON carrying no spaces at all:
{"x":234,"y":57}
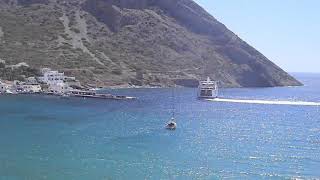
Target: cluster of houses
{"x":53,"y":83}
{"x":50,"y":82}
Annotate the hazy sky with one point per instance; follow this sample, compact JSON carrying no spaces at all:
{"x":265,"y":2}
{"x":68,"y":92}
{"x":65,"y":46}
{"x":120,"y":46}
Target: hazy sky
{"x":286,"y":31}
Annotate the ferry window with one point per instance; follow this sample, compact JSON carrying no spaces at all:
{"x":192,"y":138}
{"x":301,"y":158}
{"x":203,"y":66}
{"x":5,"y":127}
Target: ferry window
{"x":203,"y":93}
{"x":206,"y":93}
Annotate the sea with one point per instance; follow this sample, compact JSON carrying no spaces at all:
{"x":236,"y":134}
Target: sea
{"x":250,"y":133}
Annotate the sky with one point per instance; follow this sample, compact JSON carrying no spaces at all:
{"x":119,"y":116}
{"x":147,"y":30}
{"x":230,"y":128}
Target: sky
{"x":285,"y":31}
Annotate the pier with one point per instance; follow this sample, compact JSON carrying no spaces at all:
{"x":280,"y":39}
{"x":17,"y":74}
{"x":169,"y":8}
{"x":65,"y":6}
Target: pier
{"x":93,"y":94}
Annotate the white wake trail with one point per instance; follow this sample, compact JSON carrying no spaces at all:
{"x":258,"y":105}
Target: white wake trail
{"x":273,"y":102}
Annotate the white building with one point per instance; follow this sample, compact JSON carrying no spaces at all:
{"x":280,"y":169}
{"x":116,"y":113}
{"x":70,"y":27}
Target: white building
{"x":31,"y":88}
{"x":59,"y":88}
{"x":52,"y":77}
{"x":72,"y":82}
{"x":44,"y":70}
{"x":3,"y":87}
{"x":31,"y":80}
{"x":22,"y":87}
{"x":17,"y":86}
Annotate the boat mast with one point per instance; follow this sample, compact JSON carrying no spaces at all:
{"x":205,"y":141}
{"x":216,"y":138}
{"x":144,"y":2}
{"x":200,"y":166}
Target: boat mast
{"x":173,"y":102}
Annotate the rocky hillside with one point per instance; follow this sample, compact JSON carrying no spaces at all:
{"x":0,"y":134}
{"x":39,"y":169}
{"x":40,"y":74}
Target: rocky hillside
{"x":131,"y":42}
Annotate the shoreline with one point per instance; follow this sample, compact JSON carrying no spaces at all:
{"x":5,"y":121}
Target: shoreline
{"x":98,"y":96}
{"x":167,"y":87}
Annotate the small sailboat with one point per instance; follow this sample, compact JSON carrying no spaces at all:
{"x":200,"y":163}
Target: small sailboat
{"x":172,"y":125}
{"x":9,"y":92}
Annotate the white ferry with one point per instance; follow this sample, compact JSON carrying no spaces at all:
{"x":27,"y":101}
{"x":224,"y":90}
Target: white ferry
{"x":208,"y":89}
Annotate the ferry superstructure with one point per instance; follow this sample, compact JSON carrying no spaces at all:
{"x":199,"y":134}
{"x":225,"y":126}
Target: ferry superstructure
{"x":208,"y":89}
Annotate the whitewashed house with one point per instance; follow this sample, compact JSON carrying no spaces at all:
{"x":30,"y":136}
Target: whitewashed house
{"x":22,"y":87}
{"x":72,"y":82}
{"x":44,"y":70}
{"x":31,"y":88}
{"x":31,"y":80}
{"x":51,"y":77}
{"x":3,"y":87}
{"x":59,"y":88}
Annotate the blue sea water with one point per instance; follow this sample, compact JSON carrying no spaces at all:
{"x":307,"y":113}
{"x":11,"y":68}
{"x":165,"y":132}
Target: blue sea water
{"x":43,"y":137}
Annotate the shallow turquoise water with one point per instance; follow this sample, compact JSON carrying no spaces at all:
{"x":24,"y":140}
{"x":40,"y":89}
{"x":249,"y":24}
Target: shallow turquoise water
{"x":51,"y":138}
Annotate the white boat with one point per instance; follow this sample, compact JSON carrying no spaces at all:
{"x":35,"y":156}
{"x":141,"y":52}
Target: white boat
{"x":95,"y":89}
{"x":171,"y":125}
{"x":9,"y":92}
{"x":208,"y":89}
{"x":65,"y":96}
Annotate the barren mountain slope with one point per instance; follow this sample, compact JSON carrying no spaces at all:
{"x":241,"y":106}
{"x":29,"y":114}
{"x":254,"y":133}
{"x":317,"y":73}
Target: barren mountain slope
{"x":139,"y":42}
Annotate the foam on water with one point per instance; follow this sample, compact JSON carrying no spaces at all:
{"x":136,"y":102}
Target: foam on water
{"x":270,"y":102}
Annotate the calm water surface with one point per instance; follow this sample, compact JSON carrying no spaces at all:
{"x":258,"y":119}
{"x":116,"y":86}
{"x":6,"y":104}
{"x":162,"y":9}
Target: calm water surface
{"x":53,"y":138}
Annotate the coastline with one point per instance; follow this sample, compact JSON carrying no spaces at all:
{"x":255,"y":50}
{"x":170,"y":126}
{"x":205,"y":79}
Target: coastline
{"x":164,"y":87}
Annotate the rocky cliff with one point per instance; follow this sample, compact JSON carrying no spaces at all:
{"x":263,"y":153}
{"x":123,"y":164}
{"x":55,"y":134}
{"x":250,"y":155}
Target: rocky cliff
{"x":131,"y":42}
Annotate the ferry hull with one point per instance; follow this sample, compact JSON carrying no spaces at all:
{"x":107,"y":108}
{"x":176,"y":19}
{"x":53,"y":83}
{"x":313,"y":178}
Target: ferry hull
{"x":207,"y":97}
